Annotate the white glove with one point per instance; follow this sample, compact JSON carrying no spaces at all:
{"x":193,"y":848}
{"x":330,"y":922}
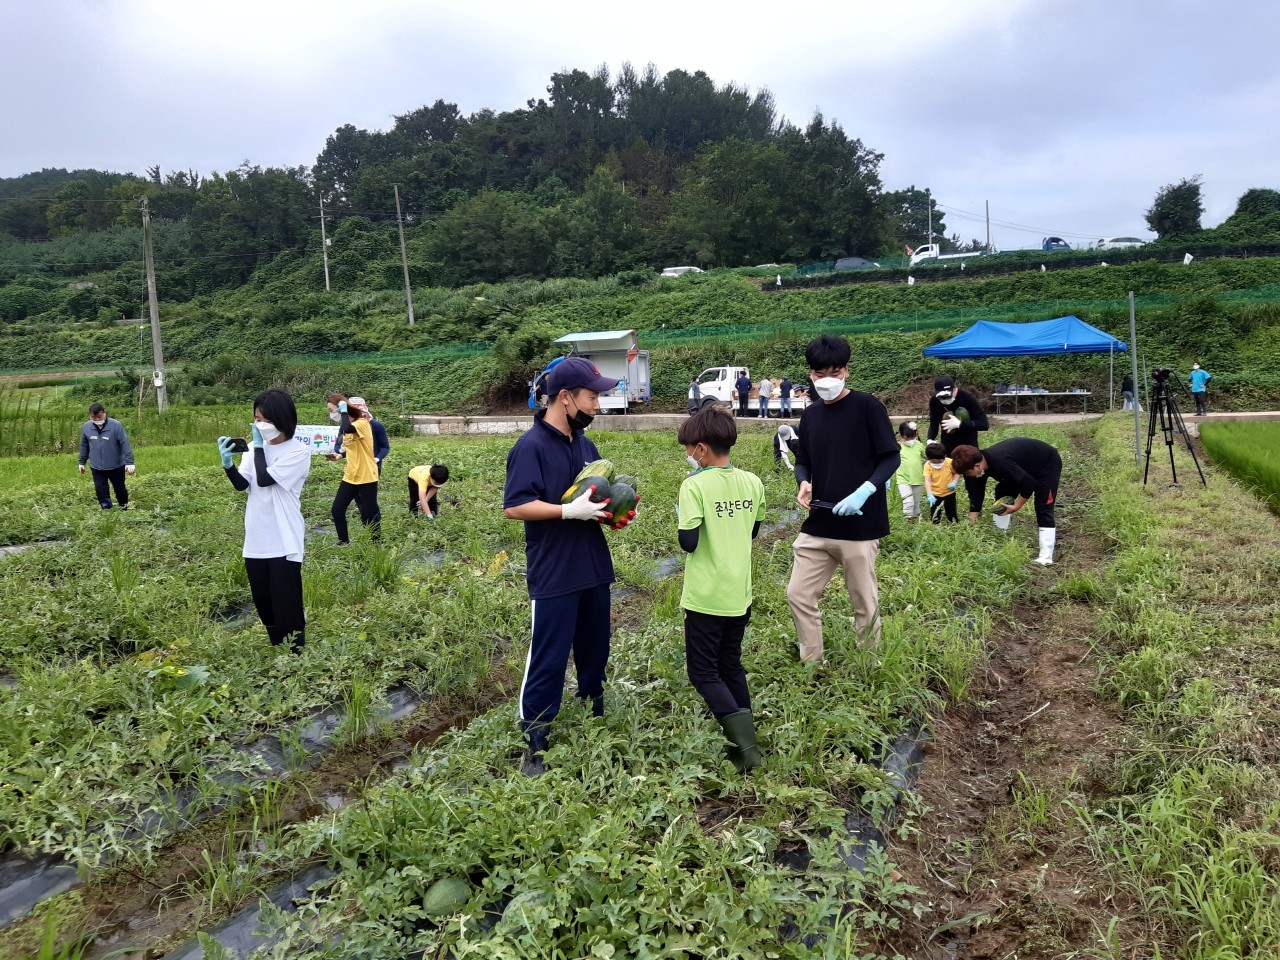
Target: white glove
{"x":787,"y":460}
{"x":951,"y":422}
{"x":129,"y":468}
{"x":584,"y":509}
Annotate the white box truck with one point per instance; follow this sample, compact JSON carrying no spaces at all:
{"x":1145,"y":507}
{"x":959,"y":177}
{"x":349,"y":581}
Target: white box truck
{"x":720,"y":385}
{"x":616,"y":354}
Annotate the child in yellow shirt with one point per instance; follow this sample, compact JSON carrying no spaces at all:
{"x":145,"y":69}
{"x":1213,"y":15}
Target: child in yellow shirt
{"x":940,"y":483}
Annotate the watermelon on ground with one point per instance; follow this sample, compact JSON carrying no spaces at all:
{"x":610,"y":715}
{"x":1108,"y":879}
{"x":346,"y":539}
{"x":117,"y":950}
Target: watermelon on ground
{"x":445,"y":897}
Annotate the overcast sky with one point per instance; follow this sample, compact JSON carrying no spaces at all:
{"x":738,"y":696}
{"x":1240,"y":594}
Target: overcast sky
{"x":1066,"y":117}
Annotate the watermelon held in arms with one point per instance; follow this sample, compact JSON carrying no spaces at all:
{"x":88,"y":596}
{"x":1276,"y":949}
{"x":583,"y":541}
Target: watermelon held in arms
{"x":597,"y":468}
{"x":629,"y":480}
{"x":445,"y":897}
{"x":579,"y":487}
{"x":1003,"y":504}
{"x":622,"y":500}
{"x":962,"y":414}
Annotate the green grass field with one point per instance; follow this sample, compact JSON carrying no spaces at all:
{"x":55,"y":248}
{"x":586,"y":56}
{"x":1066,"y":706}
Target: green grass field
{"x":133,"y":672}
{"x":1250,"y":452}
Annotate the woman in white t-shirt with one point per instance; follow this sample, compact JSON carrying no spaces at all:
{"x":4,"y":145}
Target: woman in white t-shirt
{"x":273,"y":472}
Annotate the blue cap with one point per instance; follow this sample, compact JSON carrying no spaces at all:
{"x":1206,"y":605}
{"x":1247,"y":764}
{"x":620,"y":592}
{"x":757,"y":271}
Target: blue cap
{"x":574,"y":373}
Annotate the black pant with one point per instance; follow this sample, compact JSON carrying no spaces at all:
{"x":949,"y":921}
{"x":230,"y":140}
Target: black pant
{"x":713,"y":657}
{"x":116,"y":479}
{"x":415,"y":507}
{"x":366,"y":497}
{"x":1046,"y":496}
{"x":1202,"y":404}
{"x":744,"y":404}
{"x":276,"y":585}
{"x":945,"y":505}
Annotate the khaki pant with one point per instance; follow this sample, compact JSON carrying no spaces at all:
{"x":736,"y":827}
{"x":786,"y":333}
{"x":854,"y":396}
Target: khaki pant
{"x":816,"y":559}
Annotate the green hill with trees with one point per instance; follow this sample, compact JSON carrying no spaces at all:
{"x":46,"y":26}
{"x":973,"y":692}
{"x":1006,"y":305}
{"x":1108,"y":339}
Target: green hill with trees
{"x":524,"y":224}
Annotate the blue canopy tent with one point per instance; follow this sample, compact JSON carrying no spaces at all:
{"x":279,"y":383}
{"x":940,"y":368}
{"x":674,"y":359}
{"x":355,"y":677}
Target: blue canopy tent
{"x":986,"y":338}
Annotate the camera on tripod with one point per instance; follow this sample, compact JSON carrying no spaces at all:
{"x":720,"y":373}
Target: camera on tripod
{"x":1161,"y":374}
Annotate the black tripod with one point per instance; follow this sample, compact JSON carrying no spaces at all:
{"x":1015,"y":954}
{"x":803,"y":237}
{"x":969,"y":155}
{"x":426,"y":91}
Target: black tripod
{"x":1165,"y":405}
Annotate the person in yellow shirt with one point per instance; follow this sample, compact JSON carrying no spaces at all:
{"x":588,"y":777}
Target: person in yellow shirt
{"x":940,"y":482}
{"x":360,"y":476}
{"x":424,"y":483}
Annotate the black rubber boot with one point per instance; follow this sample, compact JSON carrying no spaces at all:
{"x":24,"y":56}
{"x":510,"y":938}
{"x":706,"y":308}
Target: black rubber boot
{"x":597,"y":706}
{"x":531,"y":764}
{"x":739,"y":727}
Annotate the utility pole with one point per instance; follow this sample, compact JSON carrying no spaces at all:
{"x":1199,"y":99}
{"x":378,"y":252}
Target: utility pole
{"x":404,"y":258}
{"x":988,"y":226}
{"x":157,"y":377}
{"x":1133,"y":361}
{"x":324,"y":246}
{"x":928,"y":197}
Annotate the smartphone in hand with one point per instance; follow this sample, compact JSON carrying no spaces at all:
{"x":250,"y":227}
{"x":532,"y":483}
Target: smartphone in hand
{"x":239,"y":445}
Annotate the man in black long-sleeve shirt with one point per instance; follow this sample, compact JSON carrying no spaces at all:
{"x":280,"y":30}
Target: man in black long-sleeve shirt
{"x":1023,"y":468}
{"x":956,"y":417}
{"x":846,"y":454}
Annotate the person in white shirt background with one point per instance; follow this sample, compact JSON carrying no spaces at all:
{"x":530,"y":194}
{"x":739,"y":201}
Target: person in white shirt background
{"x":273,"y":473}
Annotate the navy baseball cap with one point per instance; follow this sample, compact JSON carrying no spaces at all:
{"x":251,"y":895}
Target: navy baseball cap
{"x":574,"y":373}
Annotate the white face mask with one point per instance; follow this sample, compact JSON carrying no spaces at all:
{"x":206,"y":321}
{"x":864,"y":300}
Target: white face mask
{"x":829,"y":387}
{"x":693,"y":463}
{"x":100,"y":423}
{"x":936,"y":466}
{"x":336,"y":417}
{"x":268,"y":431}
{"x":909,"y":443}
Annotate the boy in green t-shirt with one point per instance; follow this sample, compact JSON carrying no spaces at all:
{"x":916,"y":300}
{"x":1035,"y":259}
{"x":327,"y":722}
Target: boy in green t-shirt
{"x":720,"y":512}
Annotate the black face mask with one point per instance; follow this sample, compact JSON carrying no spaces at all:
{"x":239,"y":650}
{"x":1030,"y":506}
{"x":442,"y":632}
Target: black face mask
{"x":580,"y":420}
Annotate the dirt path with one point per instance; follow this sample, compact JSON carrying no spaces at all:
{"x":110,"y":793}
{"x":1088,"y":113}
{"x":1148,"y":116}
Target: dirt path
{"x":997,"y":850}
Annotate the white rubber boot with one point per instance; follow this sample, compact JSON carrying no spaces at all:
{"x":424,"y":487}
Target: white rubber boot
{"x":1048,"y":537}
{"x":1002,"y":521}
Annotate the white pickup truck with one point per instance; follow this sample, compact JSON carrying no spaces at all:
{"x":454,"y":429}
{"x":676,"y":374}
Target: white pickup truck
{"x":932,"y":253}
{"x":720,"y":385}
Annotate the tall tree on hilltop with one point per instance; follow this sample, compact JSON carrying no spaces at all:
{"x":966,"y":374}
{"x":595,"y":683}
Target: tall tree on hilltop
{"x":835,"y":186}
{"x":908,"y":219}
{"x":1176,"y":210}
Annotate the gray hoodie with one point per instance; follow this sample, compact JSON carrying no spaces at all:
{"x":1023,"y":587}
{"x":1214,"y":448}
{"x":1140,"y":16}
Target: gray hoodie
{"x":105,"y":449}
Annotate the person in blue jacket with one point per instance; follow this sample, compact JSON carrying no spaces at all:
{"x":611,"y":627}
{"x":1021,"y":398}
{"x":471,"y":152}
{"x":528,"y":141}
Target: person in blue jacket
{"x":381,"y":444}
{"x":569,"y":567}
{"x":744,"y":386}
{"x":1199,"y":381}
{"x":104,"y":445}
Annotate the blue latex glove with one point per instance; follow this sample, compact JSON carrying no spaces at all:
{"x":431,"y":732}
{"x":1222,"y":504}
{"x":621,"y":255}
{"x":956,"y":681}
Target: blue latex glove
{"x":342,"y":406}
{"x":888,"y":486}
{"x":953,"y":484}
{"x":932,"y":501}
{"x":224,"y":448}
{"x":854,"y":501}
{"x":257,"y":435}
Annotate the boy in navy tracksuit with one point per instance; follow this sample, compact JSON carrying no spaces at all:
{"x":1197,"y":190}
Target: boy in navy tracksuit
{"x":104,"y":445}
{"x":568,"y":561}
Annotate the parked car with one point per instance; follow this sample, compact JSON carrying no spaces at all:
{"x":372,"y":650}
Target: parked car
{"x":1054,"y":243}
{"x":1120,"y":243}
{"x":680,"y":271}
{"x":856,"y":263}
